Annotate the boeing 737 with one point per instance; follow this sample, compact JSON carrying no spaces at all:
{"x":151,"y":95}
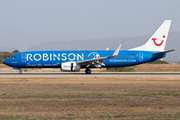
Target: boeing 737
{"x":152,"y":50}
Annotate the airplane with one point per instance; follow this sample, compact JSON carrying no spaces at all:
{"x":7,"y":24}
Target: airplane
{"x":152,"y":50}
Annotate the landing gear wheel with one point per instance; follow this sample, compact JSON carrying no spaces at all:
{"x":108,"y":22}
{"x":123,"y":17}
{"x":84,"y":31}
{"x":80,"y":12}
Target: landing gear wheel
{"x":20,"y":72}
{"x":88,"y":71}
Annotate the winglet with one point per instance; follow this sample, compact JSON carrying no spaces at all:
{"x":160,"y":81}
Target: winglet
{"x":116,"y":52}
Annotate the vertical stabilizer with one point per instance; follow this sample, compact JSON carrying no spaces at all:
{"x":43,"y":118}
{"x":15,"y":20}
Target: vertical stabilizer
{"x":158,"y":40}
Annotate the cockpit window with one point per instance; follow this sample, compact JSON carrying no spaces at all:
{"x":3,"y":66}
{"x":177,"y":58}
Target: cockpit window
{"x":13,"y":57}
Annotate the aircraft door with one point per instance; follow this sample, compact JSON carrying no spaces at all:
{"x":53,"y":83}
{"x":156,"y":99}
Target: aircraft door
{"x":24,"y":57}
{"x":141,"y":57}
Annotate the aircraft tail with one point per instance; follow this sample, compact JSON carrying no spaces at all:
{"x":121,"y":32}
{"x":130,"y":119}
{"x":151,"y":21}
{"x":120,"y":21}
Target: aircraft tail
{"x":158,"y":40}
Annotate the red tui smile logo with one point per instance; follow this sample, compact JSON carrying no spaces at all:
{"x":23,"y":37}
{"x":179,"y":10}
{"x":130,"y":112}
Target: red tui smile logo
{"x":154,"y":40}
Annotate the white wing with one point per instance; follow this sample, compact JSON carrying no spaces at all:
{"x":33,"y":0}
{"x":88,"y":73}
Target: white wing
{"x":99,"y":60}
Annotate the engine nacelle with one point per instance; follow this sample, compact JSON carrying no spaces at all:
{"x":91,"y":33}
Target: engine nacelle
{"x":70,"y":66}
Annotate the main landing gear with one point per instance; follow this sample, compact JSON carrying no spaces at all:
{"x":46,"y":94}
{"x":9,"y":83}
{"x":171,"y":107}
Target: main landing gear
{"x":88,"y":71}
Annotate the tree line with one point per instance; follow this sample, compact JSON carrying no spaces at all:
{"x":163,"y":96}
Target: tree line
{"x":158,"y":62}
{"x":4,"y":55}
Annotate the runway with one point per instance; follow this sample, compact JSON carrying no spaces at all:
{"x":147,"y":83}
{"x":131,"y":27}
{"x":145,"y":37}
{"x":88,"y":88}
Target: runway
{"x":99,"y":74}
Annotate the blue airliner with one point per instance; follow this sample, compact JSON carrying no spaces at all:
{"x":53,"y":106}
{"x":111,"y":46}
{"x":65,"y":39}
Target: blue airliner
{"x":152,"y":50}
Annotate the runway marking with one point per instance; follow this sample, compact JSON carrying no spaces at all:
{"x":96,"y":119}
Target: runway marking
{"x":99,"y":74}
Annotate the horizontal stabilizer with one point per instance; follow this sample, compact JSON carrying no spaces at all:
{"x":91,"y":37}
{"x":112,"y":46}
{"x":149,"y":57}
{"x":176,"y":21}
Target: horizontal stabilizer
{"x":107,"y":48}
{"x":160,"y":53}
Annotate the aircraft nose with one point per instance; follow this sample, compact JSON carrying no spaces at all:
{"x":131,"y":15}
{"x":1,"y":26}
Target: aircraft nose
{"x":5,"y":61}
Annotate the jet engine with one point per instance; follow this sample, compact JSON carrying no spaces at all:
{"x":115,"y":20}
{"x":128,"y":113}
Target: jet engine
{"x":70,"y":66}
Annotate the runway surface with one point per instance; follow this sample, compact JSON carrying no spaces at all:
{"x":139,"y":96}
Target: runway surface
{"x":99,"y":74}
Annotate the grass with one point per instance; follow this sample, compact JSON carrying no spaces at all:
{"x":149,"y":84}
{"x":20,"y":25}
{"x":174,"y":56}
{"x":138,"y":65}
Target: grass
{"x":153,"y":94}
{"x":99,"y":98}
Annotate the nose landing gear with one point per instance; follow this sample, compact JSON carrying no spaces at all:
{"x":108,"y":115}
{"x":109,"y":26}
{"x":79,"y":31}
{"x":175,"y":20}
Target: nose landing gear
{"x":20,"y":71}
{"x":88,"y":71}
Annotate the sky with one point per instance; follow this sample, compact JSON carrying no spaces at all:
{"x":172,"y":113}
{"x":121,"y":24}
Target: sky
{"x":24,"y":23}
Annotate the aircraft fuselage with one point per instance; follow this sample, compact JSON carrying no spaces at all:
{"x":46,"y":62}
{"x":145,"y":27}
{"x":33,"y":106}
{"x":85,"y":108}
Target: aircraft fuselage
{"x":53,"y":59}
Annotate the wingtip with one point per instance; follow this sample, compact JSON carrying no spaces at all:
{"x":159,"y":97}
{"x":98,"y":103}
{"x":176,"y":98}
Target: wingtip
{"x":117,"y":50}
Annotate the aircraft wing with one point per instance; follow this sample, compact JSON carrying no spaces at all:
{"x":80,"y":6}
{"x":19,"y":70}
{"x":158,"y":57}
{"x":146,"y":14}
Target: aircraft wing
{"x":97,"y":61}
